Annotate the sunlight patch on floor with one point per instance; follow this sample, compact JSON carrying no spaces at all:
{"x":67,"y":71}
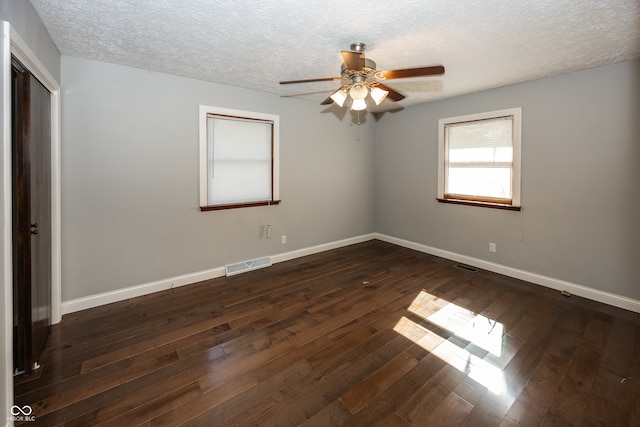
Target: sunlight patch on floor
{"x":478,"y":369}
{"x":469,"y":339}
{"x":418,"y":334}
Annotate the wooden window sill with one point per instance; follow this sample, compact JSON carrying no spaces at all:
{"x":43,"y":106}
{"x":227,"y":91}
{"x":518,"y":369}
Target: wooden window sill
{"x":480,"y":204}
{"x":239,"y":205}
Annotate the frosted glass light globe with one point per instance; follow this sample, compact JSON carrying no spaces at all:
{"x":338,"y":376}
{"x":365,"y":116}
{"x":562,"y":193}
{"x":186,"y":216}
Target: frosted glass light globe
{"x":358,"y":92}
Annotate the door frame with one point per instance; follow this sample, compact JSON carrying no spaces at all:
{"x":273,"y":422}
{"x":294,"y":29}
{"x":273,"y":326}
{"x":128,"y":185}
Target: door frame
{"x":13,"y":44}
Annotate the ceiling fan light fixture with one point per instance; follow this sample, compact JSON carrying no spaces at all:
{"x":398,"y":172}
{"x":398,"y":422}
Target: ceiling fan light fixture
{"x":378,"y":94}
{"x":358,"y":92}
{"x":358,"y":104}
{"x":339,"y":97}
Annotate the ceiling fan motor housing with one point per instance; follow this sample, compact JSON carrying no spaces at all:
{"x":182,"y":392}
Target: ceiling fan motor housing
{"x":368,"y":69}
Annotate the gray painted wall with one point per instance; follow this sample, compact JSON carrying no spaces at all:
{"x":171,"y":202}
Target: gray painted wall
{"x":580,"y":180}
{"x":130,"y":212}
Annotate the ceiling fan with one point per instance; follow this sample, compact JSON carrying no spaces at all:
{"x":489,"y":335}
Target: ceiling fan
{"x":360,"y":78}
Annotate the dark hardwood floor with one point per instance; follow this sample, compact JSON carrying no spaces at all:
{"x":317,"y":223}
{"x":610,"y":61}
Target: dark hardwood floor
{"x":370,"y":334}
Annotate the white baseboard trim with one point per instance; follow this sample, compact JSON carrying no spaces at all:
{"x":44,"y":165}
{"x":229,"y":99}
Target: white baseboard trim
{"x":187,"y":279}
{"x":538,"y":279}
{"x":139,"y":290}
{"x":321,"y":248}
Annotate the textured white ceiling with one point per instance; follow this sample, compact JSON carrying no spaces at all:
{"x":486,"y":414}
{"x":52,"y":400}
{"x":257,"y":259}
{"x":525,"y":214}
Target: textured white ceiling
{"x":255,"y":44}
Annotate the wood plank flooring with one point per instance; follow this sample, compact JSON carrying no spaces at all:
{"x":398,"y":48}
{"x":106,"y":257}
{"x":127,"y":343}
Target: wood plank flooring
{"x":366,"y":335}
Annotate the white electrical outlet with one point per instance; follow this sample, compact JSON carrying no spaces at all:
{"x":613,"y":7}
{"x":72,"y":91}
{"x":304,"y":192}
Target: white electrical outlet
{"x":283,"y":239}
{"x":492,"y":247}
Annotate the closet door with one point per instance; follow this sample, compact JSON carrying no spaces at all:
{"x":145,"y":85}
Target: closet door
{"x":31,"y":172}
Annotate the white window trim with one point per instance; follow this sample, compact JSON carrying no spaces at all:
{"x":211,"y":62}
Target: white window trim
{"x":203,"y":112}
{"x":517,"y":137}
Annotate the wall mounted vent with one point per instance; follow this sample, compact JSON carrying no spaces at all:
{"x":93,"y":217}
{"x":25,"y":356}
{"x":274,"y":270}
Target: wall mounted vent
{"x":241,"y":267}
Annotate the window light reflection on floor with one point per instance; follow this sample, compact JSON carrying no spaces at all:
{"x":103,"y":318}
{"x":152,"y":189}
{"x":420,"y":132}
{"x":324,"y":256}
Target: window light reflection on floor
{"x":472,"y":337}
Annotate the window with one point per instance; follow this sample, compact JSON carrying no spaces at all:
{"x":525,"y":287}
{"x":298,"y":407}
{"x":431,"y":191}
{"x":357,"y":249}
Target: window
{"x":238,"y":158}
{"x":479,"y":159}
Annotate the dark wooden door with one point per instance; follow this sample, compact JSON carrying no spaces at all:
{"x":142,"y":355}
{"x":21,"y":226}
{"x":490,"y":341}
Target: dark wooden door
{"x":31,"y":173}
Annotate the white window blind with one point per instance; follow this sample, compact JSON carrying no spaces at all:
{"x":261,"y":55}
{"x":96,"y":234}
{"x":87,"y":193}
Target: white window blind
{"x":480,"y":158}
{"x":239,"y":160}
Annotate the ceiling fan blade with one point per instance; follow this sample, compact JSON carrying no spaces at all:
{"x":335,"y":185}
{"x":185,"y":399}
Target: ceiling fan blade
{"x":353,"y":60}
{"x":392,"y":95}
{"x":413,"y":72}
{"x":327,"y":101}
{"x":326,"y":79}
